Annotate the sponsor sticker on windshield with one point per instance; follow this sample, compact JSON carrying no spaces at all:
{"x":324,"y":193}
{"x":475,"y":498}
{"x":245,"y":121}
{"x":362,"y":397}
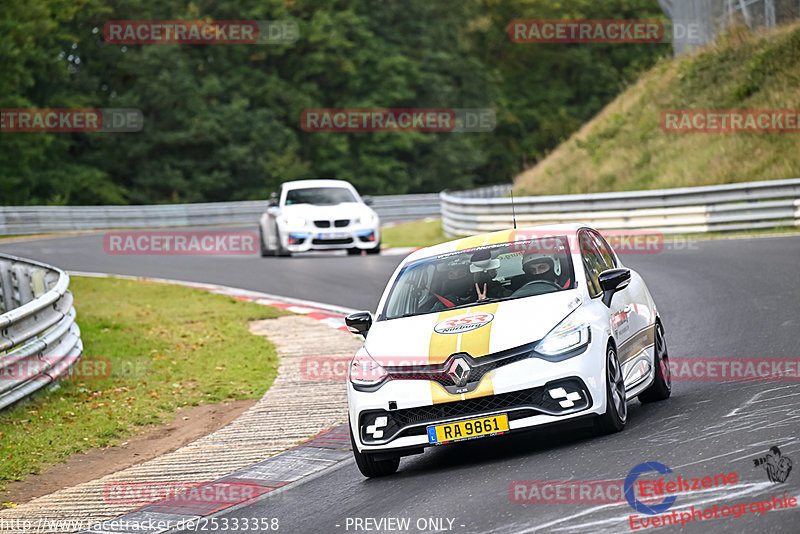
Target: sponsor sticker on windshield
{"x":463,"y":323}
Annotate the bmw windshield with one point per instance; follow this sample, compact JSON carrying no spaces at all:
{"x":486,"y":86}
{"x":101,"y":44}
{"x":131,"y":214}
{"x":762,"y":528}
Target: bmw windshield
{"x":319,"y":196}
{"x":484,"y":274}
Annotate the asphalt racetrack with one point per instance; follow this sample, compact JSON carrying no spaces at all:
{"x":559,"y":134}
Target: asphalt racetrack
{"x":737,"y":298}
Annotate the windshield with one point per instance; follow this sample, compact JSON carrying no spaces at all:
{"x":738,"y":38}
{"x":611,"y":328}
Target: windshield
{"x":321,"y":196}
{"x":483,"y":274}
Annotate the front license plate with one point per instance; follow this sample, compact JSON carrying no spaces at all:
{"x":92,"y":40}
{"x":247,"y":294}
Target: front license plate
{"x":334,"y":235}
{"x":472,"y":428}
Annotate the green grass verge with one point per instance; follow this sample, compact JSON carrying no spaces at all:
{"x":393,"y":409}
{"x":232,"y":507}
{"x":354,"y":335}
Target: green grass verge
{"x":624,"y":147}
{"x":169,"y":346}
{"x":414,"y":234}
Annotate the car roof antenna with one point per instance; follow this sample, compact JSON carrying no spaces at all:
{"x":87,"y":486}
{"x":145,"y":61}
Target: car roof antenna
{"x":513,"y":211}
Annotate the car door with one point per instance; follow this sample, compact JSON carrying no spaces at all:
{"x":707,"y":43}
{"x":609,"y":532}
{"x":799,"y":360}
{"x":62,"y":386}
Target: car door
{"x":596,"y":259}
{"x":636,"y":315}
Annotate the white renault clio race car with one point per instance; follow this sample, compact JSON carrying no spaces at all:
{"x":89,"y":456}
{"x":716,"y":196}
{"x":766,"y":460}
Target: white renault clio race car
{"x":318,"y":215}
{"x":502,"y":332}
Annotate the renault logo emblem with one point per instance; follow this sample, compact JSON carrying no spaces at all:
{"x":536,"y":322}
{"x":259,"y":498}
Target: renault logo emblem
{"x":459,"y":372}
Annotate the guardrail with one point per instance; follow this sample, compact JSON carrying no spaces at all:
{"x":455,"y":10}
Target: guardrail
{"x":721,"y":208}
{"x":21,"y":220}
{"x":39,"y":339}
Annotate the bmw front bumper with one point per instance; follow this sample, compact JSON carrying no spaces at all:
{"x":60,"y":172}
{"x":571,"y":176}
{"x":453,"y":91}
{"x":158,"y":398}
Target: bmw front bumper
{"x":361,"y":237}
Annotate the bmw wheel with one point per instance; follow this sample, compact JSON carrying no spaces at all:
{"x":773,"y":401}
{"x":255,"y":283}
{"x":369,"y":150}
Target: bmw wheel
{"x":262,"y":249}
{"x":369,"y":466}
{"x":662,"y":384}
{"x":616,"y":414}
{"x":279,"y":250}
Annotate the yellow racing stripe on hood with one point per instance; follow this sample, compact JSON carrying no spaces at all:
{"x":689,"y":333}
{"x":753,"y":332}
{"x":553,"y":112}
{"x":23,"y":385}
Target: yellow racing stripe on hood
{"x":504,"y":236}
{"x":476,"y":342}
{"x":471,"y":242}
{"x":442,"y":345}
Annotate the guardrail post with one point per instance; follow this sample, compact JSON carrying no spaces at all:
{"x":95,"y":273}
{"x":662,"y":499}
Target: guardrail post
{"x":37,"y":327}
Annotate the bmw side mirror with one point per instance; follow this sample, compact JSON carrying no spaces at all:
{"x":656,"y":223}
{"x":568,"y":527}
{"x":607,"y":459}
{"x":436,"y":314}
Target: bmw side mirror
{"x":367,"y":200}
{"x":359,"y":322}
{"x":273,"y":200}
{"x":613,"y":280}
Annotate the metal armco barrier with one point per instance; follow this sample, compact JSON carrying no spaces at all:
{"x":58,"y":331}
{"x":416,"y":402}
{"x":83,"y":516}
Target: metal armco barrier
{"x":721,"y":208}
{"x":39,"y":338}
{"x":21,"y":220}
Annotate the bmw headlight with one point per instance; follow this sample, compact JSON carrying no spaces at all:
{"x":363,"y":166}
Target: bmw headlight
{"x":368,"y":219}
{"x":365,"y":371}
{"x":294,"y":222}
{"x":567,"y":336}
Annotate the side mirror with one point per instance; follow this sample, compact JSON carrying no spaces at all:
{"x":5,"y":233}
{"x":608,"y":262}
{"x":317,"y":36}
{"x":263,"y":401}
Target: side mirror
{"x":273,"y":199}
{"x":359,"y":322}
{"x":367,"y":200}
{"x":613,"y":280}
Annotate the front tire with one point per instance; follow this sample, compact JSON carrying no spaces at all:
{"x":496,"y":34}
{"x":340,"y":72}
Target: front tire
{"x":279,"y":250}
{"x":616,"y":414}
{"x":262,"y":249}
{"x":369,"y":466}
{"x":376,"y":250}
{"x":662,"y":383}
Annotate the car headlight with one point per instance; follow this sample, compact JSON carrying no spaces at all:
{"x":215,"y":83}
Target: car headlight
{"x":368,"y":219}
{"x":365,"y":371}
{"x":294,"y":222}
{"x":567,"y":336}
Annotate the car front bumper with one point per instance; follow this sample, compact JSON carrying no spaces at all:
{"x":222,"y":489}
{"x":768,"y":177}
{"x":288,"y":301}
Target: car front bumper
{"x":520,"y":389}
{"x":361,"y":237}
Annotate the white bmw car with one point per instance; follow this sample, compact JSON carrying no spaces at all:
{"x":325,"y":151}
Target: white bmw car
{"x":498,"y":333}
{"x":318,"y":215}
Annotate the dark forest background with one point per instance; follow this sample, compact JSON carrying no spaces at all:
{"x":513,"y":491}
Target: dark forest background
{"x":222,"y":122}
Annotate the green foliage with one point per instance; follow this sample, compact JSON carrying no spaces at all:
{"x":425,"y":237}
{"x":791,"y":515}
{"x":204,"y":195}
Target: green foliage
{"x":625,"y":149}
{"x":222,"y":122}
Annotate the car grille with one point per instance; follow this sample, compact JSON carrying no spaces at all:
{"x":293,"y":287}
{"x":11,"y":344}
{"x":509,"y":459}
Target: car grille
{"x":338,"y":223}
{"x":518,"y":405}
{"x":438,"y":374}
{"x":450,"y":410}
{"x":478,"y":368}
{"x":345,"y":241}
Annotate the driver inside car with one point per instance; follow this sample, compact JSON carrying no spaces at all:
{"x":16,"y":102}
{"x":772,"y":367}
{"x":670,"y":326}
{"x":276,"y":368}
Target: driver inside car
{"x":536,"y":267}
{"x":457,"y":288}
{"x":484,"y":275}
